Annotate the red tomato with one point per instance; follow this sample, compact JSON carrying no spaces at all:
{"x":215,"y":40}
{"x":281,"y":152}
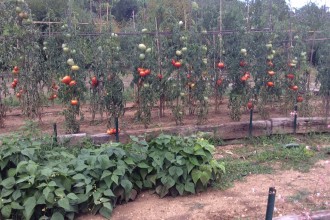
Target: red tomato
{"x":247,"y":74}
{"x":16,"y":69}
{"x":160,"y":76}
{"x":173,"y":62}
{"x":221,"y":65}
{"x":66,"y":80}
{"x":73,"y":83}
{"x":219,"y":82}
{"x":244,"y":78}
{"x":142,"y":74}
{"x":74,"y":102}
{"x":13,"y":85}
{"x":250,"y":105}
{"x":300,"y":99}
{"x":95,"y":82}
{"x":271,"y":73}
{"x":15,"y":81}
{"x":290,"y":76}
{"x":242,"y":63}
{"x":270,"y":84}
{"x":18,"y":95}
{"x":294,"y":88}
{"x":177,"y":64}
{"x":147,"y":72}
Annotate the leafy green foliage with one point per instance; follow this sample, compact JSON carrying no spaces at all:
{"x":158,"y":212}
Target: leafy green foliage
{"x":60,"y":182}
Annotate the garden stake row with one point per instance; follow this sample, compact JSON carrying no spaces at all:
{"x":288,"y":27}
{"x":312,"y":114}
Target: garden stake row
{"x":295,"y":119}
{"x":55,"y":133}
{"x":117,"y":127}
{"x":270,"y":203}
{"x":251,"y":123}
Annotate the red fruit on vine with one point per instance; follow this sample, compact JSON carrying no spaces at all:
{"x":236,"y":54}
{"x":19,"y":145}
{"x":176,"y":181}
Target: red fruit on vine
{"x":95,"y":82}
{"x":294,"y":88}
{"x":249,"y":105}
{"x":13,"y":85}
{"x":72,"y":83}
{"x":270,"y":84}
{"x":221,"y":65}
{"x":219,"y":82}
{"x":290,"y":76}
{"x":112,"y":131}
{"x":271,"y":73}
{"x":74,"y":102}
{"x":177,"y":64}
{"x":147,"y":72}
{"x":16,"y":68}
{"x":242,"y":63}
{"x":18,"y":95}
{"x":173,"y":62}
{"x":142,"y":74}
{"x":160,"y":76}
{"x":300,"y":99}
{"x":15,"y":81}
{"x":244,"y":78}
{"x":66,"y":80}
{"x":247,"y":74}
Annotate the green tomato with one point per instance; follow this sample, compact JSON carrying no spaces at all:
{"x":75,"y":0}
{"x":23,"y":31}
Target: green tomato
{"x":142,"y":47}
{"x":142,"y":56}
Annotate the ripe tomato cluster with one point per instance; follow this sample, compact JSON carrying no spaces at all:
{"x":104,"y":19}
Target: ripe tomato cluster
{"x":176,"y":64}
{"x":14,"y":83}
{"x":144,"y":72}
{"x":112,"y":131}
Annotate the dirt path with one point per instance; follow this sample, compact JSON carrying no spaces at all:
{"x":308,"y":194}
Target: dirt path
{"x":296,"y":193}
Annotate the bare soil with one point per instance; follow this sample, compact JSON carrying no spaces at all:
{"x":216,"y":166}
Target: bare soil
{"x":52,"y":114}
{"x":297,"y":193}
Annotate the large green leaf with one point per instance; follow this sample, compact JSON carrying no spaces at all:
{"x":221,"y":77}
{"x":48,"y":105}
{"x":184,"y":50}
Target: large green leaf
{"x":180,"y":188}
{"x":57,"y":216}
{"x":16,"y":205}
{"x":127,"y":185}
{"x":108,"y":193}
{"x":72,"y":196}
{"x":194,"y":161}
{"x":105,"y":161}
{"x":46,"y":191}
{"x":6,"y":211}
{"x":6,"y":192}
{"x":175,"y":171}
{"x":205,"y":177}
{"x":65,"y":204}
{"x":189,"y":187}
{"x":29,"y":205}
{"x":47,"y":172}
{"x":105,"y":212}
{"x":106,"y":173}
{"x":196,"y":175}
{"x":168,"y":181}
{"x":8,"y":183}
{"x":17,"y":194}
{"x":169,"y":156}
{"x":161,"y":190}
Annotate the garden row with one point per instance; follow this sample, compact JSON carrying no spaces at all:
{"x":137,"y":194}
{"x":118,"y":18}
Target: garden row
{"x":183,"y":71}
{"x":41,"y":181}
